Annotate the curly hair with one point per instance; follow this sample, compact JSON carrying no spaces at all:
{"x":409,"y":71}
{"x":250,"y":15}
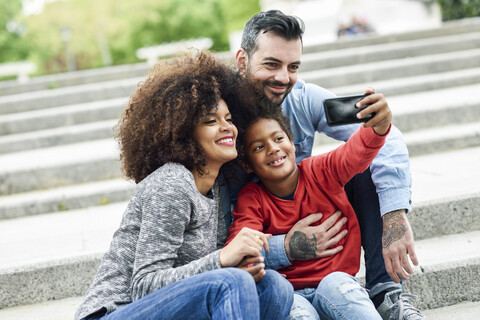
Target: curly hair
{"x":256,"y":108}
{"x":158,"y":123}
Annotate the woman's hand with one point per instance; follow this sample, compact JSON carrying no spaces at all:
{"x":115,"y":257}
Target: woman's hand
{"x":247,"y":243}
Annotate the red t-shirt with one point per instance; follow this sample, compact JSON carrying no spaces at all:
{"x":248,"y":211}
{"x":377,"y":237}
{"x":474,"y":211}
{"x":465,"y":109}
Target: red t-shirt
{"x":320,"y":189}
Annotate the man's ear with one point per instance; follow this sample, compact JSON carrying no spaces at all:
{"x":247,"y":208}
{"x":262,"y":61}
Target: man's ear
{"x":242,"y":60}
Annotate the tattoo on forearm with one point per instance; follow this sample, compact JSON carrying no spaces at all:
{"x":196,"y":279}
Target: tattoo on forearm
{"x":302,"y":248}
{"x":394,"y":227}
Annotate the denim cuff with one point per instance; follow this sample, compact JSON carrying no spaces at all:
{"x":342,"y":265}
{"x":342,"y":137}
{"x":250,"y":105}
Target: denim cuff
{"x":277,"y":257}
{"x":396,"y":199}
{"x":385,"y":286}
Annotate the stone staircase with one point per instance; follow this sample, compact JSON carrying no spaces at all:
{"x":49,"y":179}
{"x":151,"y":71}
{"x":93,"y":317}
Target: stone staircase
{"x":62,"y":194}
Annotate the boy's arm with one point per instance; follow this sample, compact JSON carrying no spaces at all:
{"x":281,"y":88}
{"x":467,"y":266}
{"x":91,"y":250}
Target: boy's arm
{"x":248,"y":213}
{"x":390,"y":169}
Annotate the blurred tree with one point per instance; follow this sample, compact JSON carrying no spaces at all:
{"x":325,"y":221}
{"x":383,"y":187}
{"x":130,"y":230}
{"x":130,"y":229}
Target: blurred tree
{"x":459,"y":9}
{"x":92,"y":33}
{"x":13,"y":46}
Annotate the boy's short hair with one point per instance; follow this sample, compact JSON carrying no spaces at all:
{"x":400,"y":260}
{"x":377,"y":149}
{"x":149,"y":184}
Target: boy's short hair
{"x":257,"y":108}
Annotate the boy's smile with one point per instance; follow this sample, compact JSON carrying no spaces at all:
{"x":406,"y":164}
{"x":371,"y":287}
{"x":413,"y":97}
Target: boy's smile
{"x":271,"y":156}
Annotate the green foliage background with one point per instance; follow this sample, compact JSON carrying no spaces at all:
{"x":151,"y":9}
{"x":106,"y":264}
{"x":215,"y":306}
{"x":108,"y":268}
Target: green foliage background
{"x":121,"y":26}
{"x":459,"y":9}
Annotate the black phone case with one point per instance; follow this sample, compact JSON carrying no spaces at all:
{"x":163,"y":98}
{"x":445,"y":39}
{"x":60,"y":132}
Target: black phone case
{"x":342,"y":110}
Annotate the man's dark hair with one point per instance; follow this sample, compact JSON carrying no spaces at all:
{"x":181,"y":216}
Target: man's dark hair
{"x":282,"y":25}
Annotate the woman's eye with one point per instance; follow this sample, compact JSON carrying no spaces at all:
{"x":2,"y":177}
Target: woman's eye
{"x":229,"y":120}
{"x":210,"y":121}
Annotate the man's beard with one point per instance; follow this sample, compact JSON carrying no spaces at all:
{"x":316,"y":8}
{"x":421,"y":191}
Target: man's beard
{"x":275,"y":97}
{"x":262,"y":87}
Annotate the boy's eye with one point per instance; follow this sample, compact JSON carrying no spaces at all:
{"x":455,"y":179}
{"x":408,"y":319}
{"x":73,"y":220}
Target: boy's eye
{"x":229,"y":120}
{"x":257,"y":148}
{"x":278,"y":139}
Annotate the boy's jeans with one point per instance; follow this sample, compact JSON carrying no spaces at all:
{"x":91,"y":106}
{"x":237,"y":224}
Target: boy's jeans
{"x":338,"y":296}
{"x":228,"y":293}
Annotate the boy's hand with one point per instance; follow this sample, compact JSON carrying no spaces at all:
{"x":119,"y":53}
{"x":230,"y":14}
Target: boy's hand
{"x":383,"y":116}
{"x":254,"y":266}
{"x":306,"y":242}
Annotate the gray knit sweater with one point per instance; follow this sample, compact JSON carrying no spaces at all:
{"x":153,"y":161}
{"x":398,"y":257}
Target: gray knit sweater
{"x":169,"y":232}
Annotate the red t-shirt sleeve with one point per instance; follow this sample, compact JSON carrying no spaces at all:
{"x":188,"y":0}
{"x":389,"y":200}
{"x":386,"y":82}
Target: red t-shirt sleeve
{"x":247,"y":211}
{"x":352,"y":157}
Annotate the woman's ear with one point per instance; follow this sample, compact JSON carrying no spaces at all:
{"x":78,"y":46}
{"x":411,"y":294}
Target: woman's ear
{"x":242,"y":60}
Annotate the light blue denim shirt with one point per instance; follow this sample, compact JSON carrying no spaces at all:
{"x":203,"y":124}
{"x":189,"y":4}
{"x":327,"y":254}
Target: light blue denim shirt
{"x":390,"y":169}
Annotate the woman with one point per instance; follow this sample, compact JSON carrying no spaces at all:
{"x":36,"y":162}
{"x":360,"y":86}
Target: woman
{"x":165,"y":260}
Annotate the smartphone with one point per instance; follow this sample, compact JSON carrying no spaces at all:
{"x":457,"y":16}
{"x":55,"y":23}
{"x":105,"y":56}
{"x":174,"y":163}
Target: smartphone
{"x":341,"y":110}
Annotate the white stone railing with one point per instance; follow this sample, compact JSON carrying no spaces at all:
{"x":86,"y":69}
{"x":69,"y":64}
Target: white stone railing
{"x":21,"y":69}
{"x":151,"y":54}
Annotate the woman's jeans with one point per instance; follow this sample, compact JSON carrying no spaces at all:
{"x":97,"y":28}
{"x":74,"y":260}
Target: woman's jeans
{"x":228,"y":293}
{"x":338,"y":296}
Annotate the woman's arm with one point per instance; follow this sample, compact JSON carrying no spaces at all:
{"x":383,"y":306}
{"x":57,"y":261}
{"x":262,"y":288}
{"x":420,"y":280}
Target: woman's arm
{"x":166,"y":214}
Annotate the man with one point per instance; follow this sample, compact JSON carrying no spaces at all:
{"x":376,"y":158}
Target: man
{"x":270,"y":55}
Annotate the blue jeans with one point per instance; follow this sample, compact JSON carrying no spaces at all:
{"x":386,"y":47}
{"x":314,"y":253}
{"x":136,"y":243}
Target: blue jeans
{"x":364,"y":199}
{"x":338,"y":296}
{"x":228,"y":293}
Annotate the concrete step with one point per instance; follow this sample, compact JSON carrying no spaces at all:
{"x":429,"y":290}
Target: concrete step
{"x":75,"y":78}
{"x":65,"y":198}
{"x":422,"y":142}
{"x":80,"y":77}
{"x":66,"y":308}
{"x":59,"y":166}
{"x":421,"y":110}
{"x":57,"y":136}
{"x":389,"y":51}
{"x":60,"y":253}
{"x":452,"y":137}
{"x":45,"y":249}
{"x":70,"y":95}
{"x":461,"y":311}
{"x":436,"y":108}
{"x":84,"y":195}
{"x":49,"y":310}
{"x":414,"y":84}
{"x":341,"y":76}
{"x":394,"y":69}
{"x":448,"y":28}
{"x":61,"y":261}
{"x":69,"y":115}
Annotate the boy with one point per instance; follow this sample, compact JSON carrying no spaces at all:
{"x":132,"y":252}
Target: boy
{"x":288,"y":192}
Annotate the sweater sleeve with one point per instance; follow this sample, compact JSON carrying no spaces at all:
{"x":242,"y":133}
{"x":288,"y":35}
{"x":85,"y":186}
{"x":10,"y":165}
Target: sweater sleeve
{"x":353,"y":157}
{"x":166,"y":213}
